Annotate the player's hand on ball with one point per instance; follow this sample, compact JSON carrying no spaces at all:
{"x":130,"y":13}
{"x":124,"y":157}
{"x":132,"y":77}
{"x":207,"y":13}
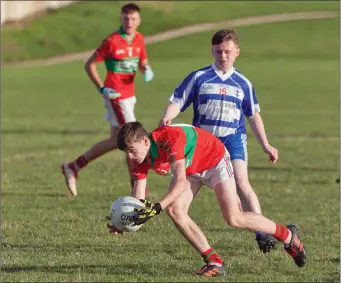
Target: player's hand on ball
{"x":112,"y":229}
{"x":272,"y":153}
{"x":108,"y":92}
{"x":144,"y":214}
{"x":165,"y":121}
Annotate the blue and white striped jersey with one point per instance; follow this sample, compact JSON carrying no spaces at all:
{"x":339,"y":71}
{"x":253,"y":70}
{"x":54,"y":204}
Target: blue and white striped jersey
{"x":219,"y":101}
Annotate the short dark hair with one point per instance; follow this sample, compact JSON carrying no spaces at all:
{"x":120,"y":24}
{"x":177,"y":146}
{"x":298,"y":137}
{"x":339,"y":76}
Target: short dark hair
{"x":129,"y":133}
{"x":130,"y":8}
{"x":224,"y":35}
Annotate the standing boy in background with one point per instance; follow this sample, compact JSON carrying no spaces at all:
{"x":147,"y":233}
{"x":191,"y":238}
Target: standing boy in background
{"x":123,"y":52}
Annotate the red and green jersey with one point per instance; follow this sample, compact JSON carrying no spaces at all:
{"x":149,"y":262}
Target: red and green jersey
{"x":200,"y":149}
{"x":121,"y":59}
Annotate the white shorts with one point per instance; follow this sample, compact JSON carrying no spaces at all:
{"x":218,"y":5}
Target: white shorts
{"x":121,"y":111}
{"x":223,"y":171}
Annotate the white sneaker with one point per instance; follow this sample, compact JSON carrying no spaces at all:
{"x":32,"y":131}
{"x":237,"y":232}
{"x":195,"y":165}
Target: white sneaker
{"x":70,"y":175}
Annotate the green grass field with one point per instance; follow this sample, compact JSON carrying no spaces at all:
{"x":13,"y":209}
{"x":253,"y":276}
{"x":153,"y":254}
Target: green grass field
{"x":83,"y":25}
{"x":53,"y":114}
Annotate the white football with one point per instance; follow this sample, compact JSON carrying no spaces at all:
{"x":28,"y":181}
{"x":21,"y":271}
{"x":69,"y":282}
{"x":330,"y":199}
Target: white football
{"x":122,"y":213}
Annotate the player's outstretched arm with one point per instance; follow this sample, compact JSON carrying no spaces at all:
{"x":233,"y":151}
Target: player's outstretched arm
{"x":139,"y":190}
{"x":257,"y":126}
{"x":178,"y":185}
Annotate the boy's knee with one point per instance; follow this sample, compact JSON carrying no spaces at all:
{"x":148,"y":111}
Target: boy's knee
{"x":236,"y":220}
{"x":175,"y":212}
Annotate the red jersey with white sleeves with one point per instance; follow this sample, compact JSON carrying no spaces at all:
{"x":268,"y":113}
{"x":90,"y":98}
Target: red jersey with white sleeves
{"x":121,"y":59}
{"x":200,"y":149}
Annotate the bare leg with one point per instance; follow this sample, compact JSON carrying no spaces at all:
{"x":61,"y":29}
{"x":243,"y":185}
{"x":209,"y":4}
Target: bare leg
{"x":247,"y":195}
{"x":178,"y":212}
{"x":103,"y":146}
{"x":288,"y":235}
{"x":227,"y":197}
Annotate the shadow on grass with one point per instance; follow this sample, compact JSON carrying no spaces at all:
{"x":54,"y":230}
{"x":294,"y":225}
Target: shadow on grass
{"x":325,"y":175}
{"x":52,"y":195}
{"x":115,"y":269}
{"x":120,"y":269}
{"x":68,"y":247}
{"x":289,"y":169}
{"x":333,"y":260}
{"x":50,"y":132}
{"x":305,"y":182}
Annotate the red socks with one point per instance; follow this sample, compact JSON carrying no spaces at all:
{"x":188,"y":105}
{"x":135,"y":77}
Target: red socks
{"x":81,"y":162}
{"x":281,"y":233}
{"x":211,"y":256}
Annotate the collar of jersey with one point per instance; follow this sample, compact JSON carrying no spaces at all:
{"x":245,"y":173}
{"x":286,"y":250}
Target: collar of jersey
{"x":222,"y":76}
{"x":153,"y":149}
{"x":124,"y":35}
